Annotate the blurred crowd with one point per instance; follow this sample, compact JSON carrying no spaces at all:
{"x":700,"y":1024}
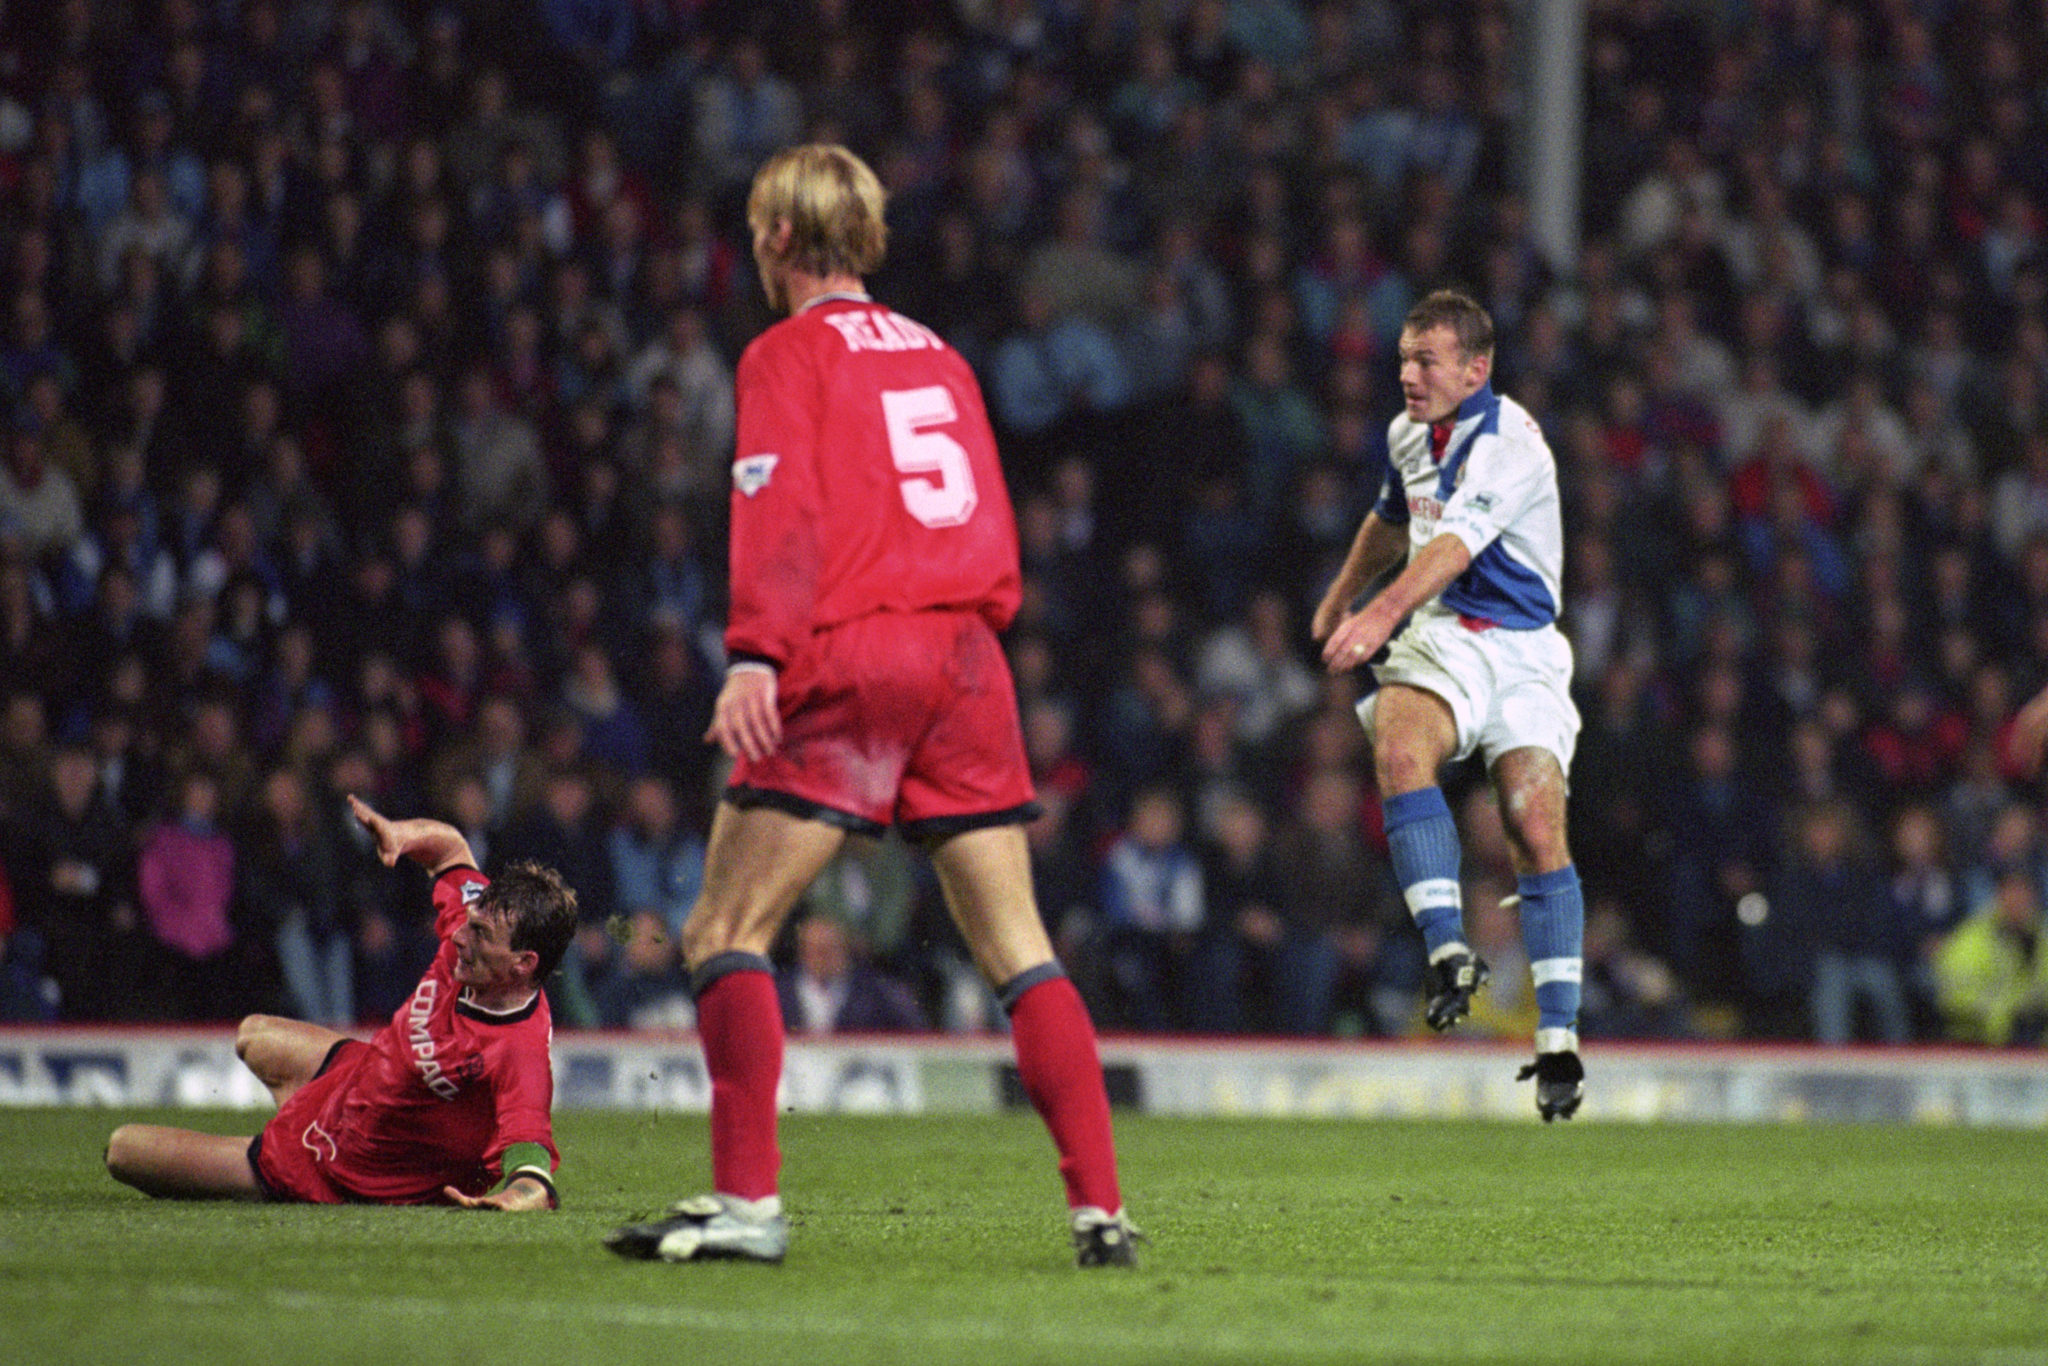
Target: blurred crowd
{"x":366,"y":371}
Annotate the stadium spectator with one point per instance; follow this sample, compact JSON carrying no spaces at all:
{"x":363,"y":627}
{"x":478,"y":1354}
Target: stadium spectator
{"x":1722,"y":830}
{"x":1837,"y":929}
{"x":40,"y":510}
{"x":73,"y":876}
{"x":744,"y":112}
{"x":657,"y":861}
{"x":1992,"y":973}
{"x":496,"y":750}
{"x":566,"y":830}
{"x":644,"y":984}
{"x":1629,"y":994}
{"x":697,"y":402}
{"x":502,"y":479}
{"x":1242,"y":887}
{"x":26,"y":993}
{"x":1253,"y":662}
{"x":463,"y":1120}
{"x":614,"y":736}
{"x":1153,"y":915}
{"x":184,"y":882}
{"x":872,"y":889}
{"x":1926,"y":903}
{"x":831,"y":989}
{"x":1506,"y":1009}
{"x":1331,"y":918}
{"x":287,"y":884}
{"x":1055,"y":369}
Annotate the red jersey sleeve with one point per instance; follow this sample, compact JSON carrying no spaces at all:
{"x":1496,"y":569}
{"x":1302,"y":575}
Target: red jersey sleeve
{"x":455,"y":891}
{"x":776,"y":556}
{"x":523,"y":1087}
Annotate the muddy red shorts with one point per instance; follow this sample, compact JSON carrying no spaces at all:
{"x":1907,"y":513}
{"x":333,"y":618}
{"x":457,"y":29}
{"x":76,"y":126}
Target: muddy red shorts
{"x":907,"y":719}
{"x":288,"y":1155}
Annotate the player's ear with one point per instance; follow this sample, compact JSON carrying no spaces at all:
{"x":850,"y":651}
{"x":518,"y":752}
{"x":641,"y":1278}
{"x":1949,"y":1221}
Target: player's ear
{"x":775,"y":241}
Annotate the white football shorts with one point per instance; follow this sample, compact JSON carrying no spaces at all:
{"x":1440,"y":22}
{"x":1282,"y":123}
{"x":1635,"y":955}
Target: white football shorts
{"x":1505,"y":688}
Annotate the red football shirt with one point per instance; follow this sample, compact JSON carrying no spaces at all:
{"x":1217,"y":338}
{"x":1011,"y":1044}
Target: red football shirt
{"x":865,"y":480}
{"x":446,"y":1087}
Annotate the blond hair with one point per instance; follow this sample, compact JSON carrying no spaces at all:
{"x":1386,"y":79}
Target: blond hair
{"x":833,"y":204}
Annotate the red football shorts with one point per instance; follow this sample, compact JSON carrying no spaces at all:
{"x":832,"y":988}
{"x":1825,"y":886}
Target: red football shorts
{"x":898,"y":718}
{"x":290,"y":1153}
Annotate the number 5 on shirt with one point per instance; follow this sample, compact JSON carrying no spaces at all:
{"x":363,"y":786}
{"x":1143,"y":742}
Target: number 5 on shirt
{"x":917,"y":449}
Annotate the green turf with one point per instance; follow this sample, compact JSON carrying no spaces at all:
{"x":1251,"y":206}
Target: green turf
{"x":942,"y":1241}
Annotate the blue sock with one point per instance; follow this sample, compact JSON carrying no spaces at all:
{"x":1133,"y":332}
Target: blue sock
{"x":1554,"y":933}
{"x":1423,"y":840}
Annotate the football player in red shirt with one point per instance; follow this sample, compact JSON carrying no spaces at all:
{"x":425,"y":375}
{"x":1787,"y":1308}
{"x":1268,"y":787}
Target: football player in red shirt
{"x":448,"y":1103}
{"x":874,"y":559}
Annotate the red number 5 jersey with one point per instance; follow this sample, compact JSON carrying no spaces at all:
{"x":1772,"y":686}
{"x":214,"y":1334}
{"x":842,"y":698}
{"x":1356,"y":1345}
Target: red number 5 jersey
{"x":865,"y":480}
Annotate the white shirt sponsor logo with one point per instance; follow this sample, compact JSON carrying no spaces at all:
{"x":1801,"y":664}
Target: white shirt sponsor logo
{"x":1425,"y":512}
{"x":424,"y":1052}
{"x":318,"y":1142}
{"x":751,"y":474}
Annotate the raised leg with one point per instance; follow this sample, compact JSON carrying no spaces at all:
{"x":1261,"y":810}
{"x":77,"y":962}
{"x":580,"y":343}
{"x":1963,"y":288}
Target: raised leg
{"x":284,"y":1054}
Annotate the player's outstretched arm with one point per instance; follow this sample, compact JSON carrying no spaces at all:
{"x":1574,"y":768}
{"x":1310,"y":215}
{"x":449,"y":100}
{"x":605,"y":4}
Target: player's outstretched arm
{"x":436,"y":845}
{"x":527,"y":1184}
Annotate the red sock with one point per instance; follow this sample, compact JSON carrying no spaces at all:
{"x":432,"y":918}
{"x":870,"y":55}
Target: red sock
{"x":1061,"y":1072}
{"x":739,"y":1022}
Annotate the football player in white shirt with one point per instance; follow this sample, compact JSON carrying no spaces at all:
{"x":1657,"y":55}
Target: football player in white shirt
{"x":1470,"y":498}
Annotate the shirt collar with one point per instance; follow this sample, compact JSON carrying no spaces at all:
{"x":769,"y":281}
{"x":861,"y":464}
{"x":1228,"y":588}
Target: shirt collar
{"x":837,"y":296}
{"x":466,"y":1004}
{"x":1479,"y":401}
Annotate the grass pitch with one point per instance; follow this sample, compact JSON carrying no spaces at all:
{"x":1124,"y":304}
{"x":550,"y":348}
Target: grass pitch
{"x":942,"y":1240}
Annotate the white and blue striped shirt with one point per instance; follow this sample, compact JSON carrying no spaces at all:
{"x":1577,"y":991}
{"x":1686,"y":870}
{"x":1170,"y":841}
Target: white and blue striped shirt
{"x":1494,"y":488}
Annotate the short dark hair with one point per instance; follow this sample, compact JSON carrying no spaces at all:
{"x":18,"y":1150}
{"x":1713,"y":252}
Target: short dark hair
{"x":1468,"y":321}
{"x":539,"y":906}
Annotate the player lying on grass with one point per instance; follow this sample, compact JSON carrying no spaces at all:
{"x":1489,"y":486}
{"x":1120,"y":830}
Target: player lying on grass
{"x":447,"y":1101}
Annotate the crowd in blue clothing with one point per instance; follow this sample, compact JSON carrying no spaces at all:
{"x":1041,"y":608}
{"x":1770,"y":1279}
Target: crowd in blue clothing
{"x":367,"y":370}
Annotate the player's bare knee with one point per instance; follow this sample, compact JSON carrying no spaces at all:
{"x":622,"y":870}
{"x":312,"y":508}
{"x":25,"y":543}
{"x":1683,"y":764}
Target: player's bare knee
{"x":1537,"y":834}
{"x":121,"y":1153}
{"x":249,"y":1032}
{"x":704,"y":938}
{"x":1400,"y":769}
{"x":1533,"y":812}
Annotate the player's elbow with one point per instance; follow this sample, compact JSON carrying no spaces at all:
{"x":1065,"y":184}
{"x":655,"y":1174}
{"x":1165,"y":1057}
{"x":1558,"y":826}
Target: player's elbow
{"x":1452,"y":553}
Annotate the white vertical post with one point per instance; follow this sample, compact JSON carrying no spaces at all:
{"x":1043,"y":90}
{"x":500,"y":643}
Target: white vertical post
{"x":1553,"y":137}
